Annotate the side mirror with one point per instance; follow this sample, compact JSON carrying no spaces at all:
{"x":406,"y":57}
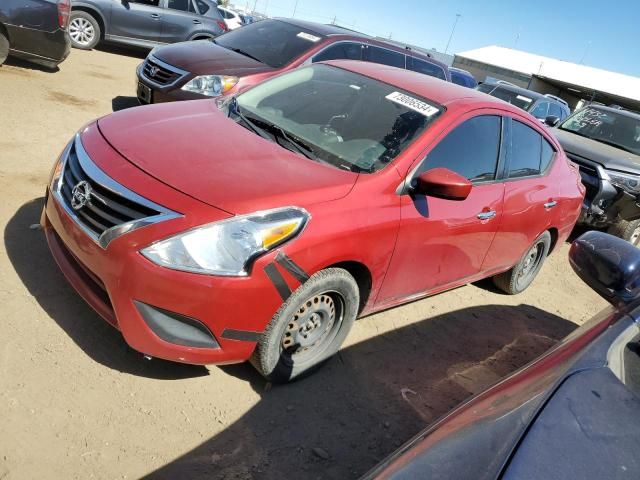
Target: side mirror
{"x":609,"y":265}
{"x":551,"y":120}
{"x":442,"y":183}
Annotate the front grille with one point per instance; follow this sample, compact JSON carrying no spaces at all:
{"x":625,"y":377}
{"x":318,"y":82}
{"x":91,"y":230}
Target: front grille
{"x":160,"y":73}
{"x":105,"y":209}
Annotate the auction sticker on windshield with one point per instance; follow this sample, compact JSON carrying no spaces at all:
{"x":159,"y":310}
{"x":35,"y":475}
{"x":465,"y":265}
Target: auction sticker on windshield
{"x":413,"y":103}
{"x":308,"y":36}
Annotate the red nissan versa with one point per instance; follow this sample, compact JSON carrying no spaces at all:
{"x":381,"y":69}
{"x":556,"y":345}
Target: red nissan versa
{"x":260,"y":226}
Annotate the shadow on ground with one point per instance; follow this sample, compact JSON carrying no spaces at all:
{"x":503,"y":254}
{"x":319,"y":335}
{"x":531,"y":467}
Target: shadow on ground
{"x":370,"y":398}
{"x":21,"y":63}
{"x":133,"y":52}
{"x":28,"y":252}
{"x":122,"y":103}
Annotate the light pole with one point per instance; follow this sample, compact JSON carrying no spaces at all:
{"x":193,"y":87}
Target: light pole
{"x":295,"y":7}
{"x":586,"y":50}
{"x":452,"y":30}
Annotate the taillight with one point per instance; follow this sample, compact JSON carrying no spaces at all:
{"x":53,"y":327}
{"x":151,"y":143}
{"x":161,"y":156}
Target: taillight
{"x":222,"y":25}
{"x":64,"y":10}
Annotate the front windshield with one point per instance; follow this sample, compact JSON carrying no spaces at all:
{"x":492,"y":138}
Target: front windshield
{"x":335,"y":116}
{"x":616,"y":129}
{"x":514,"y":98}
{"x":271,"y":42}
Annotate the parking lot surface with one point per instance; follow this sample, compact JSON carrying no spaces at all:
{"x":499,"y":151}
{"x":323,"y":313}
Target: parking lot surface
{"x":76,"y":402}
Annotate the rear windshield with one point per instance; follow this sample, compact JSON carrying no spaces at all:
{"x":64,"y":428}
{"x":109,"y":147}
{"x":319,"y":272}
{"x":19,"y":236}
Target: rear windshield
{"x":336,"y":116}
{"x":514,"y":98}
{"x":271,"y":42}
{"x":616,"y":129}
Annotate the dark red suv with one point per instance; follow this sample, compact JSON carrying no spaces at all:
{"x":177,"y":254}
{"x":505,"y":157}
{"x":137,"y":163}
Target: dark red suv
{"x":251,"y":54}
{"x":260,"y":226}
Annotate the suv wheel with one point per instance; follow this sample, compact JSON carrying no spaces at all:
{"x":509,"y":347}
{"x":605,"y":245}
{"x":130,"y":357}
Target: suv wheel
{"x":517,"y":279}
{"x":309,"y":327}
{"x":84,"y":30}
{"x":4,"y":47}
{"x":629,"y":231}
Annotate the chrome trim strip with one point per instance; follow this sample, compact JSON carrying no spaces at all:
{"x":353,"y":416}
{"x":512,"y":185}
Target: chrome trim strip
{"x":176,"y":70}
{"x":98,"y":176}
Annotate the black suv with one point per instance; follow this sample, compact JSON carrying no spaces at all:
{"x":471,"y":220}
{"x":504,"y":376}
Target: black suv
{"x":539,"y":105}
{"x":143,"y":23}
{"x":605,"y":143}
{"x":35,"y":30}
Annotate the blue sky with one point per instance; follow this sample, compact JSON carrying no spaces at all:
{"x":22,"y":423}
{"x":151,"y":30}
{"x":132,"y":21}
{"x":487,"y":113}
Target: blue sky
{"x":605,"y":33}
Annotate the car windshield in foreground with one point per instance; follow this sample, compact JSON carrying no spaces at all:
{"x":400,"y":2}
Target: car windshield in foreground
{"x":272,"y":42}
{"x":335,"y":116}
{"x":514,"y":98}
{"x":615,"y":129}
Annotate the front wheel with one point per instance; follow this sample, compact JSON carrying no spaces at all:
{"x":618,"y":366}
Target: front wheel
{"x":309,"y":327}
{"x":629,"y":231}
{"x":4,"y":47}
{"x":517,"y":279}
{"x":84,"y":30}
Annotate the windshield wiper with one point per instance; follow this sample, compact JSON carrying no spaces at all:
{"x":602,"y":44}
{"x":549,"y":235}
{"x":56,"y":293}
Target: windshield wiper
{"x":235,"y":109}
{"x":246,"y":54}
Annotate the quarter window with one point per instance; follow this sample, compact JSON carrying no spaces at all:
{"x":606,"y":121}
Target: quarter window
{"x":386,"y":57}
{"x":340,"y":51}
{"x":531,"y":154}
{"x":203,"y":7}
{"x":470,"y":150}
{"x":426,"y":68}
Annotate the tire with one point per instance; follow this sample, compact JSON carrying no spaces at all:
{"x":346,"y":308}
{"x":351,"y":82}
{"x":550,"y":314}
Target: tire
{"x":629,"y":231}
{"x":309,"y":327}
{"x":84,"y":30}
{"x":517,"y":279}
{"x":4,"y":46}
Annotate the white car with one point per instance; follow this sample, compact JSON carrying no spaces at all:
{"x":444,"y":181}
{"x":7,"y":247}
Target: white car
{"x":231,"y":18}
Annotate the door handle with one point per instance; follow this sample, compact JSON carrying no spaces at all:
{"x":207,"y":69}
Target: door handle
{"x":550,"y":205}
{"x":197,"y":22}
{"x":487,"y":215}
{"x":155,"y":16}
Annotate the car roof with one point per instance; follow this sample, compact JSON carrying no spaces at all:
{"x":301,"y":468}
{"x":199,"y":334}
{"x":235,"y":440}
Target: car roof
{"x":423,"y":85}
{"x":326,"y":30}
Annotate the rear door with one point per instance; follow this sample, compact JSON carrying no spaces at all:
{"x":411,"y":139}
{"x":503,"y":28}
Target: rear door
{"x":179,"y":21}
{"x":136,"y":19}
{"x":443,"y":242}
{"x":530,"y":198}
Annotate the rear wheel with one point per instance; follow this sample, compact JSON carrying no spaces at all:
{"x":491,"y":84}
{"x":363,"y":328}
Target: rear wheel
{"x":84,"y":30}
{"x":629,"y":231}
{"x":517,"y":279}
{"x":4,"y":46}
{"x":309,"y":327}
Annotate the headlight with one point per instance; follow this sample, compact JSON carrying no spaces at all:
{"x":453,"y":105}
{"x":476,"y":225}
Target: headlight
{"x":226,"y":247}
{"x":211,"y":85}
{"x":628,"y":183}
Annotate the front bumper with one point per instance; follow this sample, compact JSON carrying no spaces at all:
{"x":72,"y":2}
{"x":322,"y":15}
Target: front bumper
{"x":117,"y":279}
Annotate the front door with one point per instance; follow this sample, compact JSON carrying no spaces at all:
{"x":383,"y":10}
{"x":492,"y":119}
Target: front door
{"x":442,"y":242}
{"x":136,"y":19}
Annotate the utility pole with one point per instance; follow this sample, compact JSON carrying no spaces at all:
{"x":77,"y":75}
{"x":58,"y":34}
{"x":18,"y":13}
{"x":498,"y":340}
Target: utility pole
{"x":452,"y":30}
{"x":586,"y":50}
{"x":295,"y":7}
{"x":335,"y":17}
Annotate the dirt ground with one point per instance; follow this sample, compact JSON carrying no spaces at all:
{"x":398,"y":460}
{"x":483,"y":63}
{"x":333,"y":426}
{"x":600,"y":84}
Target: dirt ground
{"x":75,"y":402}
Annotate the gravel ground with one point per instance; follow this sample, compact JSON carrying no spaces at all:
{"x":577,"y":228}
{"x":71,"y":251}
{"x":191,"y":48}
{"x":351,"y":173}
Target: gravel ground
{"x":75,"y":402}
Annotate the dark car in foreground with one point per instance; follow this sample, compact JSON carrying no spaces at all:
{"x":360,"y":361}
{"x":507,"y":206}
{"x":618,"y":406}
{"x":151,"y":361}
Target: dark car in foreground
{"x":251,"y":54}
{"x":260,"y":226}
{"x":143,"y":23}
{"x":605,"y":143}
{"x":572,"y":414}
{"x":35,"y":30}
{"x":541,"y":106}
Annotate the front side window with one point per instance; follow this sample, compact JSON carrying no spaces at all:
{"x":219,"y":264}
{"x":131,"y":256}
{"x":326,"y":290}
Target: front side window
{"x":272,"y":42}
{"x":556,"y":111}
{"x":470,"y":150}
{"x":540,"y":110}
{"x":335,"y":116}
{"x":386,"y":57}
{"x":531,"y":154}
{"x":619,"y":130}
{"x":340,"y":51}
{"x":426,"y":68}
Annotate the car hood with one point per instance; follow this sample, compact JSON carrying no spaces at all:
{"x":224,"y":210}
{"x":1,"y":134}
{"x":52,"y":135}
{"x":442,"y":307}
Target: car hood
{"x":194,"y":148}
{"x":204,"y":57}
{"x":609,"y":157}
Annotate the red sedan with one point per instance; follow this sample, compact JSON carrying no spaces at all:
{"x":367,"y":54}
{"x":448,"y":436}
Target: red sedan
{"x":260,"y":226}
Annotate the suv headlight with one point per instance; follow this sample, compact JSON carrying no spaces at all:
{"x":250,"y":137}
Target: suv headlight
{"x":225,"y":248}
{"x":211,"y":85}
{"x":628,"y":183}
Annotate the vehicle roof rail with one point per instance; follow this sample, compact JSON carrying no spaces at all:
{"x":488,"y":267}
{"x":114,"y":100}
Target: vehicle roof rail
{"x":557,"y":99}
{"x":504,"y":82}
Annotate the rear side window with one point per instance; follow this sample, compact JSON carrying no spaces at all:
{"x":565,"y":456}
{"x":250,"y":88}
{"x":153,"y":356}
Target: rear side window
{"x":531,"y":154}
{"x":152,"y":3}
{"x":427,"y":68}
{"x":386,"y":57}
{"x":470,"y":150}
{"x":340,"y":51}
{"x":183,"y":5}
